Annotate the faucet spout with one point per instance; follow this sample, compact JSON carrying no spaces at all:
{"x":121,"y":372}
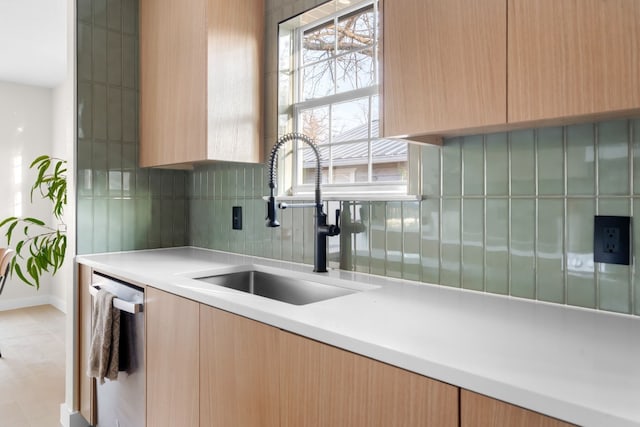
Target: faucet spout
{"x":322,"y":229}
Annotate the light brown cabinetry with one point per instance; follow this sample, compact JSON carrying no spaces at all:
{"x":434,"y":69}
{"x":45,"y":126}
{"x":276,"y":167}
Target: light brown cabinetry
{"x":200,"y":81}
{"x":572,"y":58}
{"x":239,"y":366}
{"x":325,"y":386}
{"x":459,"y":67}
{"x":477,"y":410}
{"x":444,"y":66}
{"x":86,"y":386}
{"x":172,"y":359}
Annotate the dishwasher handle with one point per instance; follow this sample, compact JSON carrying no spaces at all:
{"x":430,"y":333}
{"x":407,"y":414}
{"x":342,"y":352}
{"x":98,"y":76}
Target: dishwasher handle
{"x":120,"y":304}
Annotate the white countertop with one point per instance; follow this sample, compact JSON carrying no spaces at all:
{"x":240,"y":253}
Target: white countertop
{"x":582,"y":366}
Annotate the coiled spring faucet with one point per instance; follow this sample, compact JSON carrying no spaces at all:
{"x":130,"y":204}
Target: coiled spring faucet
{"x":322,"y":229}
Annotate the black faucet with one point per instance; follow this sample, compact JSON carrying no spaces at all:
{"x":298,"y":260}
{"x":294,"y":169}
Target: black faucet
{"x":322,"y":229}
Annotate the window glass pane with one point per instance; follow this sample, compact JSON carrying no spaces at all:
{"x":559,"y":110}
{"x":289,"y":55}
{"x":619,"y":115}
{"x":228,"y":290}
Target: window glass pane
{"x":354,"y":71}
{"x":389,"y":160}
{"x":314,"y":123}
{"x":309,"y":165}
{"x":350,"y":120}
{"x":284,"y":88}
{"x":284,"y":51}
{"x":350,"y":163}
{"x":356,"y":30}
{"x":375,"y":116}
{"x":318,"y":80}
{"x":318,"y":43}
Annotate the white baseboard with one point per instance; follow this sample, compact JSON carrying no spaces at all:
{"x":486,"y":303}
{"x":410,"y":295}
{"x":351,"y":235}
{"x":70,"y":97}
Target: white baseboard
{"x":14,"y":303}
{"x":69,"y":418}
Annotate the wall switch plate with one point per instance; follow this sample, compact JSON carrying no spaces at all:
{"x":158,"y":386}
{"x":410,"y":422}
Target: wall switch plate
{"x":236,"y":218}
{"x":612,"y":239}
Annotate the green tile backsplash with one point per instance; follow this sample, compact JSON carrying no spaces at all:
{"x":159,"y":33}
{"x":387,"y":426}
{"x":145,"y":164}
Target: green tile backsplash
{"x":505,"y":213}
{"x":120,"y":206}
{"x":515,"y":216}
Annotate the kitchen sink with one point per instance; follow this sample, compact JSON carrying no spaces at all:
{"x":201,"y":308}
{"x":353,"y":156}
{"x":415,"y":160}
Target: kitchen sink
{"x":280,"y":288}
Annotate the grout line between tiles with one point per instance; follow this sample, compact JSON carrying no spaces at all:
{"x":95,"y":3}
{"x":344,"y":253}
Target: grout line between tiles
{"x":565,"y":216}
{"x":484,"y":213}
{"x":536,"y":210}
{"x":509,"y":222}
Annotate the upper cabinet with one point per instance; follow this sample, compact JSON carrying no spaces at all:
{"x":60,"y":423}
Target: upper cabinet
{"x":454,"y":67}
{"x":444,"y":65}
{"x":573,"y":58}
{"x":201,"y":76}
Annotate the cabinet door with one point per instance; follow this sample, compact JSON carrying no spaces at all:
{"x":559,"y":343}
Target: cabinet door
{"x":477,"y":410}
{"x":86,"y":384}
{"x":444,"y":65}
{"x":572,"y":57}
{"x":238,"y":372}
{"x":325,"y":386}
{"x":172,"y":357}
{"x":173,"y":60}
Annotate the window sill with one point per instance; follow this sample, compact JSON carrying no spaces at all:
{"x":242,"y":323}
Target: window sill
{"x":353,"y":197}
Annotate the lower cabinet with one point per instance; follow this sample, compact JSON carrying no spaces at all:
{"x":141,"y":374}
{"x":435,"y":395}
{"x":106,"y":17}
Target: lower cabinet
{"x":207,"y":367}
{"x":173,"y":358}
{"x":324,"y":386}
{"x":239,"y":365}
{"x":477,"y":410}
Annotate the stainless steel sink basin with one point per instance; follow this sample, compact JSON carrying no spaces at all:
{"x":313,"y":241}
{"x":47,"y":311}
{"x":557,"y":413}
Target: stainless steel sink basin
{"x":281,"y":288}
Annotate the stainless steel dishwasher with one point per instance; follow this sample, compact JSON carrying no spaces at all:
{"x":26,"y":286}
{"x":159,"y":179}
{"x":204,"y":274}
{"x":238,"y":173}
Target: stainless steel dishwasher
{"x":121,"y":403}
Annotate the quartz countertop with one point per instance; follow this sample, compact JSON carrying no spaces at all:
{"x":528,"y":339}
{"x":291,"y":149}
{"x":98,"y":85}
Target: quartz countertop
{"x":578,"y":365}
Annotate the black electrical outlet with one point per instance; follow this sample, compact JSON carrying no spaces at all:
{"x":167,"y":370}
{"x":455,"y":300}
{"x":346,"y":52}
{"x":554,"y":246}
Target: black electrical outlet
{"x":612,"y":239}
{"x":236,"y":217}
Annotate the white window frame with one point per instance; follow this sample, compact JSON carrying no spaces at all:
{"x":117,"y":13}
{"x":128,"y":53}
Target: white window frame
{"x":293,"y":162}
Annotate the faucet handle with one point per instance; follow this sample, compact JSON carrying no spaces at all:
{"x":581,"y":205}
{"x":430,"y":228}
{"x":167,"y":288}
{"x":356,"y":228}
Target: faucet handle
{"x":338,"y":219}
{"x":334,"y":229}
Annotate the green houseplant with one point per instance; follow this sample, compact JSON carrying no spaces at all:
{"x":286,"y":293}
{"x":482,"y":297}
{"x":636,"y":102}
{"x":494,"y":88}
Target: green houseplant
{"x":41,"y":248}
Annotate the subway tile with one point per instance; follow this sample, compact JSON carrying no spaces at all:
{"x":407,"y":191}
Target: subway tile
{"x":450,"y":244}
{"x":497,"y":249}
{"x":378,"y":238}
{"x":128,"y":225}
{"x":179,"y":223}
{"x":550,"y":148}
{"x":613,"y":157}
{"x":451,"y":167}
{"x":522,"y":163}
{"x":114,"y":58}
{"x":286,"y":228}
{"x":100,"y":225}
{"x":129,"y":16}
{"x":522,"y":248}
{"x":129,"y":116}
{"x":114,"y":14}
{"x":431,"y":169}
{"x":99,"y":55}
{"x":83,"y":11}
{"x":360,"y":229}
{"x":99,"y":168}
{"x":129,"y":64}
{"x":581,"y":283}
{"x":347,"y":237}
{"x":497,"y":172}
{"x":114,"y":118}
{"x":84,"y":110}
{"x":394,"y":239}
{"x":99,"y":112}
{"x":84,"y":48}
{"x":84,"y":225}
{"x":411,"y":266}
{"x":299,"y":215}
{"x":580,"y":160}
{"x":430,"y":251}
{"x":473,"y":165}
{"x":100,"y":13}
{"x":166,"y":223}
{"x":473,"y":244}
{"x":550,"y":251}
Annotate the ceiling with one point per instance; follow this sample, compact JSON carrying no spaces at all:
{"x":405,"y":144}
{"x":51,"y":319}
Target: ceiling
{"x":33,"y":41}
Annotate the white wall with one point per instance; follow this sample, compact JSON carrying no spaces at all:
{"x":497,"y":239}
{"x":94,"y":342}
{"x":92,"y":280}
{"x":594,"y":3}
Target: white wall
{"x":25,"y":133}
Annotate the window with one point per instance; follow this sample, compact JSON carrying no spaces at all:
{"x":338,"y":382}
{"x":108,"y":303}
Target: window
{"x":328,"y":90}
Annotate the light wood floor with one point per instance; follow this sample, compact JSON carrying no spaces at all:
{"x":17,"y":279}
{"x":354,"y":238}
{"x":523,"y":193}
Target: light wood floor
{"x":32,"y":366}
